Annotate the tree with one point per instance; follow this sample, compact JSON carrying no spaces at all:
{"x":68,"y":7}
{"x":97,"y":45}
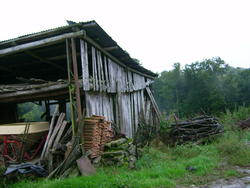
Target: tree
{"x":208,"y":86}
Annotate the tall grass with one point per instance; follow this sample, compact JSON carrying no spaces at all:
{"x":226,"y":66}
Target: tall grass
{"x":229,"y":118}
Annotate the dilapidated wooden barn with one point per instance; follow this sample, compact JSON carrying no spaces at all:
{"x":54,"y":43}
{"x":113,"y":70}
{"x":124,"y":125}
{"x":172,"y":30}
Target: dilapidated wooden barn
{"x":79,"y":62}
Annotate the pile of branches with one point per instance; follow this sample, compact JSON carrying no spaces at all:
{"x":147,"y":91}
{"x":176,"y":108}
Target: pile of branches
{"x":245,"y":124}
{"x":195,"y":129}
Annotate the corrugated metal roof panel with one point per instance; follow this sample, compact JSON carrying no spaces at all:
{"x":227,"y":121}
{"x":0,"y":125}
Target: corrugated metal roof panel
{"x":93,"y":30}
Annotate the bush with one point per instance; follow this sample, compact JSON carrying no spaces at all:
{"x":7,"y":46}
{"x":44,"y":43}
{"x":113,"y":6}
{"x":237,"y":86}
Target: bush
{"x":232,"y":146}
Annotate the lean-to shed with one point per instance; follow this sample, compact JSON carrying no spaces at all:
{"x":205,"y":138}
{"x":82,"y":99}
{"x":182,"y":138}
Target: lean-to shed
{"x":79,"y":58}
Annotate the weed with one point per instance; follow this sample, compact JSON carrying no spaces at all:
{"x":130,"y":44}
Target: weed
{"x":230,"y":173}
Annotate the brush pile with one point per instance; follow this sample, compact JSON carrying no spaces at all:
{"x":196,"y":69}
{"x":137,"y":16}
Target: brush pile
{"x":245,"y":124}
{"x":195,"y":129}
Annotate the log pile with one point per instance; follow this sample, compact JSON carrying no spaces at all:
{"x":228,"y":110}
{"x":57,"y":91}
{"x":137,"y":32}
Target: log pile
{"x":195,"y":129}
{"x":119,"y":152}
{"x":96,"y":133}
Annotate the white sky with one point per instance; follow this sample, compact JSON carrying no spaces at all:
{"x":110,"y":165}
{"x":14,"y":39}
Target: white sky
{"x":158,"y":32}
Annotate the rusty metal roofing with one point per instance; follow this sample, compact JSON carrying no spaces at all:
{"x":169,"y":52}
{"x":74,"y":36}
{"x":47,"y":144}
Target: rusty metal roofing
{"x":94,"y":31}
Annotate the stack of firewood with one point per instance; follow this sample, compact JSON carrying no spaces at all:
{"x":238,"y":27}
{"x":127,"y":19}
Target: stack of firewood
{"x":195,"y":129}
{"x":96,"y":133}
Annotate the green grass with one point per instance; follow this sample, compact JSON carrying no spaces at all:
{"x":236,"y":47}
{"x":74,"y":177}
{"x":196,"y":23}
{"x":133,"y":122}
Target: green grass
{"x":155,"y":169}
{"x":230,"y":173}
{"x":162,"y":166}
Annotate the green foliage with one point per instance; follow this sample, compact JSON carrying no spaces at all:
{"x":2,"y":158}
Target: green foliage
{"x":30,"y":111}
{"x":210,"y":86}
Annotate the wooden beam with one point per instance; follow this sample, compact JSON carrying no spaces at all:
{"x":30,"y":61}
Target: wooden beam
{"x":60,"y":57}
{"x":29,"y":95}
{"x":111,"y":48}
{"x":44,"y":60}
{"x":40,"y":43}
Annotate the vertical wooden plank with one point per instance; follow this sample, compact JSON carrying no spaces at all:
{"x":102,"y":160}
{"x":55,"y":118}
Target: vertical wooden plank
{"x":112,"y":118}
{"x":132,"y":112}
{"x":102,"y":73}
{"x":85,"y":66}
{"x":99,"y":69}
{"x":107,"y":84}
{"x":142,"y":102}
{"x":136,"y":119}
{"x":106,"y":107}
{"x":109,"y":107}
{"x":138,"y":98}
{"x":118,"y":108}
{"x":95,"y":77}
{"x":119,"y":78}
{"x":127,"y":81}
{"x":122,"y":79}
{"x":121,"y":113}
{"x":112,"y":76}
{"x":129,"y":115}
{"x":88,"y":105}
{"x":136,"y":82}
{"x":147,"y":113}
{"x":130,"y":82}
{"x":101,"y":104}
{"x":97,"y":105}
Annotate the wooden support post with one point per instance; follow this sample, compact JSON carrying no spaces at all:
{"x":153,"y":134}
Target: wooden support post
{"x":76,"y":80}
{"x":80,"y":115}
{"x":75,"y":93}
{"x":71,"y":100}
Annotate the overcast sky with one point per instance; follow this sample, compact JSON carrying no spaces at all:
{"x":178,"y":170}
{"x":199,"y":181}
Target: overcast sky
{"x":158,"y":32}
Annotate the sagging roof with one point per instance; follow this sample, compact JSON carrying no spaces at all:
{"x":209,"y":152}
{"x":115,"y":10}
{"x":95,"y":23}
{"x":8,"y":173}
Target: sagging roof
{"x":93,"y":31}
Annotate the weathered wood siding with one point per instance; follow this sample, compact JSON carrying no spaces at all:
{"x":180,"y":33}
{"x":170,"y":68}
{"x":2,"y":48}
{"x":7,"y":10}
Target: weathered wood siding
{"x":114,"y":92}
